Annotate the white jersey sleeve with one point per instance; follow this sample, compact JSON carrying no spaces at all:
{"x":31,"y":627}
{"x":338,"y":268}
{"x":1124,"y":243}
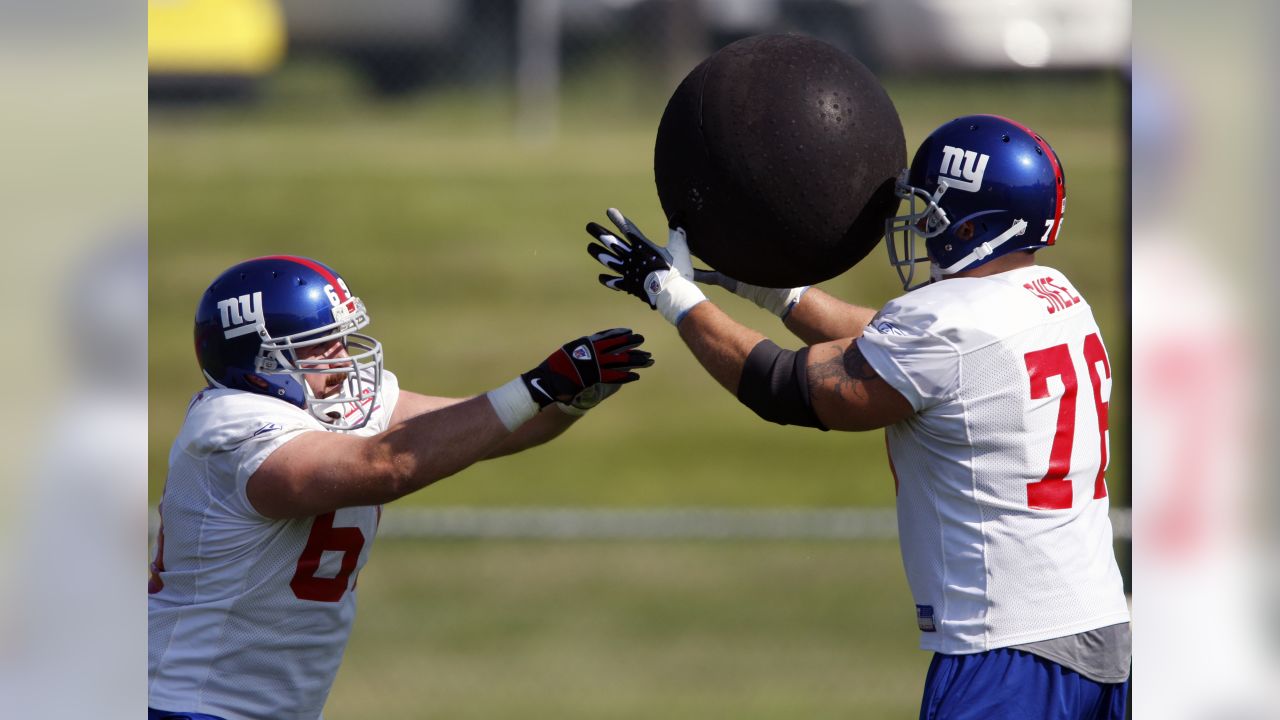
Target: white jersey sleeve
{"x":233,"y":433}
{"x":1002,"y":503}
{"x":901,"y":342}
{"x":249,"y":616}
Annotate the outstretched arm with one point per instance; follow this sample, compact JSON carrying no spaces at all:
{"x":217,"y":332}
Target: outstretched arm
{"x":321,"y":471}
{"x":548,"y":424}
{"x":432,"y":438}
{"x":824,"y":385}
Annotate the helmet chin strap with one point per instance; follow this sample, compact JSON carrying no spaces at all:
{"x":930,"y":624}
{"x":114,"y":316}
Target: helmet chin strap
{"x":985,"y":250}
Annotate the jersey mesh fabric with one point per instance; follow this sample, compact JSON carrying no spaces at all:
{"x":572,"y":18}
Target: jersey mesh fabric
{"x":228,"y":634}
{"x":985,"y":567}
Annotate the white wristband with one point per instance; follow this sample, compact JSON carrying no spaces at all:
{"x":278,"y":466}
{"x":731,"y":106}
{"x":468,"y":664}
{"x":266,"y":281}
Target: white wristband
{"x":778,"y":301}
{"x":790,"y":301}
{"x":677,"y":298}
{"x":513,"y":404}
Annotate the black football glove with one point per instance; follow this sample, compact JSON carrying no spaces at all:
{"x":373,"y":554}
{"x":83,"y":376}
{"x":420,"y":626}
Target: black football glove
{"x":660,"y":276}
{"x":576,"y":369}
{"x":633,"y":256}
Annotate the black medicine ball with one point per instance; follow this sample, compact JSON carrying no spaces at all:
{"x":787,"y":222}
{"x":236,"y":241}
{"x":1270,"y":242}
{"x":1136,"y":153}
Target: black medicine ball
{"x":778,"y":155}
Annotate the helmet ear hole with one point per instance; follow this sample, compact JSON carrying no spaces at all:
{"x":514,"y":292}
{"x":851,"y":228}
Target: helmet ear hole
{"x":965,"y":231}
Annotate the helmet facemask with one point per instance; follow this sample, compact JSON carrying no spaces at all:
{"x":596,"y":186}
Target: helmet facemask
{"x":352,"y":406}
{"x":924,"y":219}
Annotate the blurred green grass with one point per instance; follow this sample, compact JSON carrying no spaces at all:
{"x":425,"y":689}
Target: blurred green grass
{"x":467,"y":245}
{"x":632,"y":630}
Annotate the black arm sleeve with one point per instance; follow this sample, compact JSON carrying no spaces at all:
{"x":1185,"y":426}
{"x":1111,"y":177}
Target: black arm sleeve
{"x":775,"y":385}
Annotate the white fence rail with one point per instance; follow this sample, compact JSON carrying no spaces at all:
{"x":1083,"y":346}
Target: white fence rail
{"x":652,"y":523}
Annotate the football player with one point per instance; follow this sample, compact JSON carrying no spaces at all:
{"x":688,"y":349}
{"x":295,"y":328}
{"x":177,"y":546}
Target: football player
{"x":279,"y":473}
{"x":991,"y":381}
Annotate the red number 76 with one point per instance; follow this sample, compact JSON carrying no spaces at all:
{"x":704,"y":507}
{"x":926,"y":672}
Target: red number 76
{"x":1053,"y":492}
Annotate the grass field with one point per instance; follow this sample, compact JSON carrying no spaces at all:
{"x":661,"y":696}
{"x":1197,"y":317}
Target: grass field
{"x":467,"y":246}
{"x":585,"y":630}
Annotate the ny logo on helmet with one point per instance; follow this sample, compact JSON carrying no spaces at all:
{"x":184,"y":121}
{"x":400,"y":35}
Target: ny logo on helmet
{"x":241,"y":315}
{"x":962,"y":169}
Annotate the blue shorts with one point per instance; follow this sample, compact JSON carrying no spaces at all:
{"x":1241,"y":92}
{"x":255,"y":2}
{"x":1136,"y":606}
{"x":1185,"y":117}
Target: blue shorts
{"x":153,"y":714}
{"x":1016,"y":685}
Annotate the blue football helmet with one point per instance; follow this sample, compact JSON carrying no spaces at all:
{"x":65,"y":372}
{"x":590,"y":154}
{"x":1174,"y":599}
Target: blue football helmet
{"x":256,"y":315}
{"x":979,"y":187}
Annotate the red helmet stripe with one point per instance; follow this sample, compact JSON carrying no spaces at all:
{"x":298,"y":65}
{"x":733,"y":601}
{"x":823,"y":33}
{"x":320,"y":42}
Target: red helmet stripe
{"x":322,"y":270}
{"x":1059,"y":183}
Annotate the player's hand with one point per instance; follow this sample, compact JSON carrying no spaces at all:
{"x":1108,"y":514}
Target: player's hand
{"x":778,"y":301}
{"x":662,"y":277}
{"x":588,"y":398}
{"x":609,"y":357}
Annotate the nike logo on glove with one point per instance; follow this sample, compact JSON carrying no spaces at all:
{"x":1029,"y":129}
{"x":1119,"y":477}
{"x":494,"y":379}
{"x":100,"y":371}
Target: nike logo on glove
{"x":538,"y":386}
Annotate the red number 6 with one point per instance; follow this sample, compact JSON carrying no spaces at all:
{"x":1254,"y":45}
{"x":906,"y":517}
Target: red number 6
{"x":324,"y":536}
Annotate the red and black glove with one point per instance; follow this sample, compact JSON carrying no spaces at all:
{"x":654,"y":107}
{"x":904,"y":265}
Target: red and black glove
{"x":607,"y":358}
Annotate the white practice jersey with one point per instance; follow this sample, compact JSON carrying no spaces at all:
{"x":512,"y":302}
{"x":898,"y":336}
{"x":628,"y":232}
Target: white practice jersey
{"x":1002,"y":505}
{"x":249,"y":616}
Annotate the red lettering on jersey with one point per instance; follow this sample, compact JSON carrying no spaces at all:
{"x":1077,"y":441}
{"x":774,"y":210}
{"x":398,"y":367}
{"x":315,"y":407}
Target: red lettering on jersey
{"x":1055,"y":297}
{"x":1053,"y":492}
{"x":1094,"y":355}
{"x":1053,"y":294}
{"x":306,"y":584}
{"x":1062,"y":302}
{"x":1035,"y":289}
{"x":1071,"y":297}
